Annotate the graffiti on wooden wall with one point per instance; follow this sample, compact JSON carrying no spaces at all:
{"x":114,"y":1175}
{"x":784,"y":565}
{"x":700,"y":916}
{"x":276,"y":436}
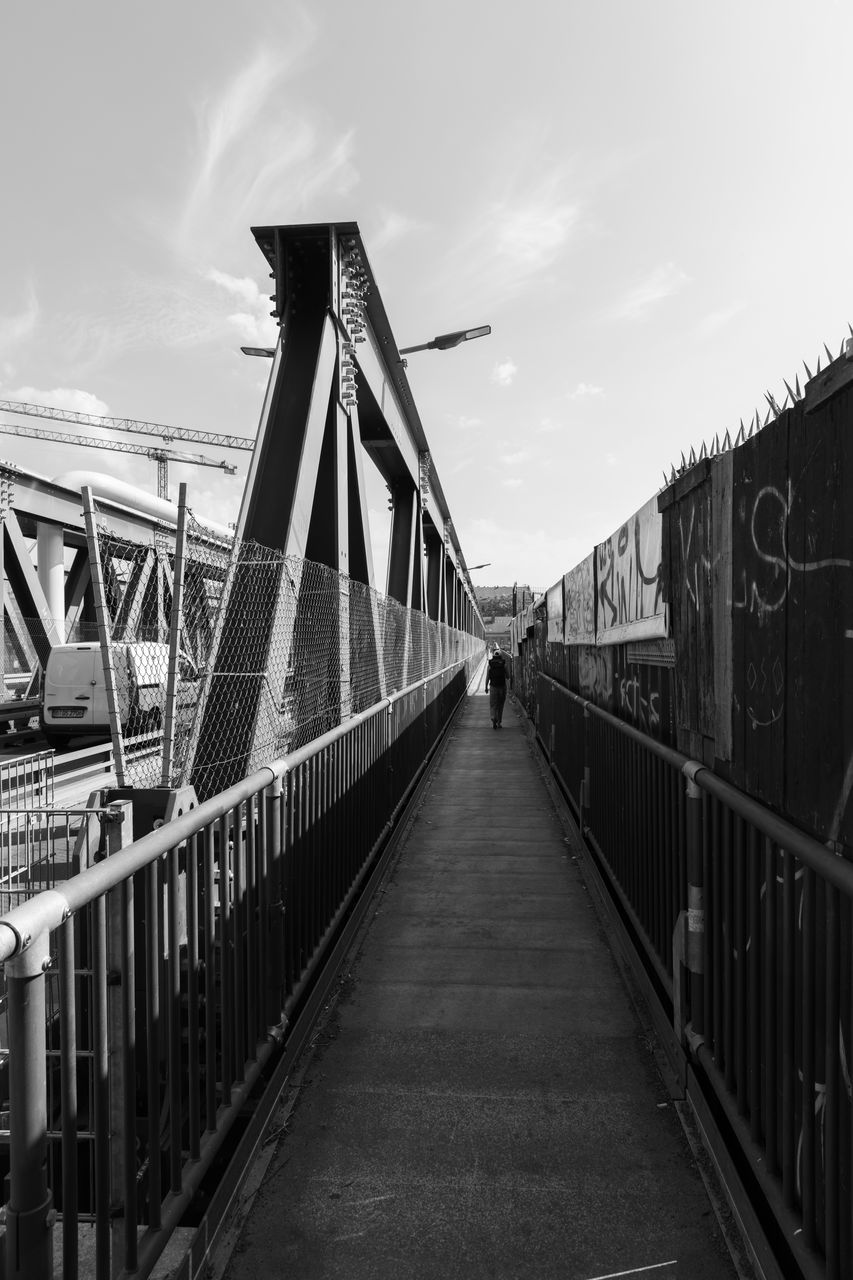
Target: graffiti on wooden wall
{"x":579,"y":590}
{"x":554,"y":604}
{"x":629,"y":580}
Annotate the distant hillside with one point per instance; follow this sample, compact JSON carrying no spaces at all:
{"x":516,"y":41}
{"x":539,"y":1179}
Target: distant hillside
{"x":496,"y":602}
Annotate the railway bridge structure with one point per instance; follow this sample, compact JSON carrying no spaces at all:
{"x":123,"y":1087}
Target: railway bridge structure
{"x":491,"y":1086}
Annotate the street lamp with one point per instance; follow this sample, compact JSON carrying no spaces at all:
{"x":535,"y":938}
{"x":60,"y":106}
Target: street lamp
{"x":479,"y":566}
{"x":258,"y":351}
{"x":445,"y":341}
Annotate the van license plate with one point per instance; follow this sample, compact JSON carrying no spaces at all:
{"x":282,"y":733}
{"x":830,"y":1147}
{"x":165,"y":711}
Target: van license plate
{"x":68,"y":713}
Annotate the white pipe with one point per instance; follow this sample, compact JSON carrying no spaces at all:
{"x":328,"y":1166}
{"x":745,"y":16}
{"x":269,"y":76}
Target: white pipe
{"x":127,"y":495}
{"x":50,"y":554}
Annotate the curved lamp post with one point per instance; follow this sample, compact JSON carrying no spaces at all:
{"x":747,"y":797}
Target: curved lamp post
{"x":445,"y":341}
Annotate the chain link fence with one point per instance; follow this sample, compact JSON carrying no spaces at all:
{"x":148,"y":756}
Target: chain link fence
{"x":298,"y":648}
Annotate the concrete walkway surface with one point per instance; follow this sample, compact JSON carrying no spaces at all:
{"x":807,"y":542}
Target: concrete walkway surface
{"x":482,"y":1101}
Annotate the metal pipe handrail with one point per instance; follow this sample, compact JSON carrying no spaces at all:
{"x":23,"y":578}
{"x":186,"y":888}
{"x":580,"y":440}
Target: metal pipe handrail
{"x":806,"y":848}
{"x":49,"y":909}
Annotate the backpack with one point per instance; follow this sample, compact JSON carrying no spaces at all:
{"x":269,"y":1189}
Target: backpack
{"x":497,"y":670}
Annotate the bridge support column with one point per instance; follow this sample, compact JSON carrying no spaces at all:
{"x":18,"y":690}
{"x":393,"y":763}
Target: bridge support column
{"x":51,"y":572}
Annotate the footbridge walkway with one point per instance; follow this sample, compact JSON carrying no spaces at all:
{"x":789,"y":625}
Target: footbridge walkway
{"x":481,"y":1099}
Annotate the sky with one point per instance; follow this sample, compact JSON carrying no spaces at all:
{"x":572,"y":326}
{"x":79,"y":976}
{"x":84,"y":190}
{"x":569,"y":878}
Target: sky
{"x":650,"y":203}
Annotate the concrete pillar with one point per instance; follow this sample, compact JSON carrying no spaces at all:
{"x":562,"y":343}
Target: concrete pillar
{"x":50,"y":552}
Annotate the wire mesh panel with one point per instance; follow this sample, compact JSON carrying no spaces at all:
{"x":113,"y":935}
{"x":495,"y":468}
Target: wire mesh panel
{"x":272,"y":652}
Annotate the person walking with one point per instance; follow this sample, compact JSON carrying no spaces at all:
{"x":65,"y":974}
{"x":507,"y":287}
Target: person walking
{"x":498,"y":671}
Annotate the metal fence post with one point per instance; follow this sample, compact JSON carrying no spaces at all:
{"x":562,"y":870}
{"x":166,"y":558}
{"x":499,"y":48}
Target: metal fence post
{"x":277,"y":980}
{"x":583,"y":794}
{"x":695,"y":940}
{"x":28,"y":1242}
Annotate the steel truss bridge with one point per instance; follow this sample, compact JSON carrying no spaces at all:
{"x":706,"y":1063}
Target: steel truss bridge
{"x":161,"y":988}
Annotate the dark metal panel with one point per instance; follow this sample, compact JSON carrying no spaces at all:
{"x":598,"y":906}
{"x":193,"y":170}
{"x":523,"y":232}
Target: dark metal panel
{"x":24,"y":582}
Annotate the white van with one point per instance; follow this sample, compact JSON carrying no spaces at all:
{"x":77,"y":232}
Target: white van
{"x":74,"y":695}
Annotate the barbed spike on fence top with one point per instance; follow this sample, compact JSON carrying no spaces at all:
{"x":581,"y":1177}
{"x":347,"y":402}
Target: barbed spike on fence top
{"x":829,"y":353}
{"x":767,"y":419}
{"x":841,"y":348}
{"x":817,"y":370}
{"x":716,"y":443}
{"x":665,"y":481}
{"x":672,"y":476}
{"x":794,"y":398}
{"x":808,"y":371}
{"x":703,"y":452}
{"x":692,"y":459}
{"x":683,"y":461}
{"x":797,"y":385}
{"x":850,"y":327}
{"x":727,"y":441}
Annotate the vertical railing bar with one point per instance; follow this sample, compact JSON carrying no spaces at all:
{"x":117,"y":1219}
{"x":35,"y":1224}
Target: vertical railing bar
{"x":210,"y":966}
{"x":239,"y":937}
{"x":808,"y":1094}
{"x":128,"y":1049}
{"x":100,"y":1067}
{"x":68,"y":1068}
{"x":730,"y":943}
{"x":253,"y":933}
{"x":226,"y":964}
{"x":739,"y":880}
{"x":154,"y":1036}
{"x":770,"y":1003}
{"x":754,"y":975}
{"x":173,"y":972}
{"x":831,"y":1102}
{"x":788,"y":1024}
{"x":708,"y":870}
{"x":193,"y":1027}
{"x":719,"y":935}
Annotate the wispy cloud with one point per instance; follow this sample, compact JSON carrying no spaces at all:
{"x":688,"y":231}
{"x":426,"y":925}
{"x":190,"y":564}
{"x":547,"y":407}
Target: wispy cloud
{"x":60,"y":398}
{"x":716,"y":320}
{"x":640,"y":301}
{"x":504,"y":373}
{"x":253,"y":323}
{"x":464,"y":423}
{"x":513,"y":239}
{"x":585,"y":391}
{"x":259,"y":147}
{"x":514,"y":459}
{"x":22,"y":324}
{"x":392,"y":227}
{"x":547,"y":425}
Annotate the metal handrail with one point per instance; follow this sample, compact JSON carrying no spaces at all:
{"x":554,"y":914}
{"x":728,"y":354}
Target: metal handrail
{"x":186,"y":937}
{"x":741,"y":923}
{"x":803,"y":846}
{"x":47,"y":910}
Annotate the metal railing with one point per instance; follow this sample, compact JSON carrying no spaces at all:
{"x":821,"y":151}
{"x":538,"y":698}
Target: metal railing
{"x":26,"y":782}
{"x":744,"y":922}
{"x":173,"y":966}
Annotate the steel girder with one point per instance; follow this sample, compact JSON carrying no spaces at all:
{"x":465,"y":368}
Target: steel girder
{"x":337,"y":385}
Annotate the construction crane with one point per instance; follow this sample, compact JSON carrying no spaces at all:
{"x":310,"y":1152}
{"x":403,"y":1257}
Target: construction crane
{"x":131,"y":425}
{"x":161,"y":456}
